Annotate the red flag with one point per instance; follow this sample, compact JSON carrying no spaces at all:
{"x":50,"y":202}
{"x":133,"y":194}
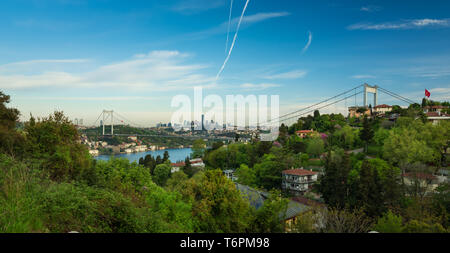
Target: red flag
{"x":427,"y":93}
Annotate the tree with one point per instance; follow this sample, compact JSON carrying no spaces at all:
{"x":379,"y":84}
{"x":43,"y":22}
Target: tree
{"x":389,"y":223}
{"x":219,"y":206}
{"x":54,"y":141}
{"x":188,"y":169}
{"x":11,"y":142}
{"x":177,"y":182}
{"x":166,"y":156}
{"x":269,"y":217}
{"x":316,"y":114}
{"x":334,"y":185}
{"x":315,"y":147}
{"x":366,"y":133}
{"x":162,"y":174}
{"x":268,"y":173}
{"x":198,"y":148}
{"x":246,"y":175}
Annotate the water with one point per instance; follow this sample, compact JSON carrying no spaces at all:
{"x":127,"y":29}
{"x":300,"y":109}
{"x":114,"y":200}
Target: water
{"x":174,"y":155}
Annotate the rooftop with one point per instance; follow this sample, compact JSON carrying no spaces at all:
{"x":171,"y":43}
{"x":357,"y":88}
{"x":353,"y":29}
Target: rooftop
{"x":299,"y":172}
{"x":419,"y":175}
{"x":383,"y":106}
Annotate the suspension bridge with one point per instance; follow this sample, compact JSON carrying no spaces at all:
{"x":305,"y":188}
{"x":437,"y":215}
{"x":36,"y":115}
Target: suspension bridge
{"x":112,"y":118}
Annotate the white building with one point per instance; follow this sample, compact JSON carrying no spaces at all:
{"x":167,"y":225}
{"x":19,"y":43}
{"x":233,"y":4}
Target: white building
{"x":382,"y":109}
{"x":93,"y":152}
{"x":298,"y":180}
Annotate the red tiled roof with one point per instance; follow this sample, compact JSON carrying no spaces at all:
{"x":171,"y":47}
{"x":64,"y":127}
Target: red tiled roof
{"x":180,"y":164}
{"x":305,"y":131}
{"x":436,"y":107}
{"x":383,"y":106}
{"x":299,"y":172}
{"x":436,"y":114}
{"x":419,"y":175}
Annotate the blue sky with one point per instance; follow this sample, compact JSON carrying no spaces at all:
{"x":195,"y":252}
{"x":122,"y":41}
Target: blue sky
{"x":84,"y":56}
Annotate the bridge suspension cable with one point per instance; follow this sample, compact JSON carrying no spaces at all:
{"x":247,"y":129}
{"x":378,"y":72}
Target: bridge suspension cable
{"x":335,"y":102}
{"x":399,"y":97}
{"x":316,"y":104}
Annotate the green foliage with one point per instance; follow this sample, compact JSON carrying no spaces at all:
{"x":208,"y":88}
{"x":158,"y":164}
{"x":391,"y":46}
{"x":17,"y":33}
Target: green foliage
{"x":366,"y":133}
{"x":389,"y":223}
{"x":54,"y":141}
{"x":267,"y":217}
{"x":315,"y":147}
{"x":246,"y":175}
{"x":198,"y":148}
{"x":162,"y":174}
{"x":415,"y":226}
{"x":268,"y":173}
{"x":219,"y":206}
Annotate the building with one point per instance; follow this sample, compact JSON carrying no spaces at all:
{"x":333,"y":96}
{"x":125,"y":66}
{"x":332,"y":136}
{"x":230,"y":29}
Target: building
{"x":177,"y":167}
{"x":256,"y":199}
{"x":93,"y":152}
{"x":434,"y":108}
{"x":427,"y":181}
{"x":230,"y":175}
{"x":298,"y":181}
{"x":195,"y":163}
{"x":198,"y":162}
{"x":358,"y":111}
{"x":382,"y":109}
{"x":436,"y":116}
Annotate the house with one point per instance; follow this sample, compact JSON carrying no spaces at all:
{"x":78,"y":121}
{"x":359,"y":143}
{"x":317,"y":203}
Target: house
{"x":436,"y":116}
{"x":93,"y":152}
{"x":256,"y":199}
{"x":382,"y":109}
{"x":298,"y":181}
{"x":358,"y":111}
{"x":304,"y":133}
{"x":177,"y":167}
{"x":230,"y":175}
{"x":423,"y":180}
{"x":196,"y":163}
{"x":434,"y":108}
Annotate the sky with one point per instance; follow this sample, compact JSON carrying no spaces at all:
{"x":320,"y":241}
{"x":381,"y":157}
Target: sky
{"x":133,"y":57}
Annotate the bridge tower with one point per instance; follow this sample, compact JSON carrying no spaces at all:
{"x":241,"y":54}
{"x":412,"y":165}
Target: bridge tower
{"x":106,"y":114}
{"x":371,"y":89}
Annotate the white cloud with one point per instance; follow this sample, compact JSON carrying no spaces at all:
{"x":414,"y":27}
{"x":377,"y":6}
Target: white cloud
{"x":408,"y":24}
{"x":157,"y":70}
{"x":363,"y":77}
{"x":260,"y":86}
{"x":308,"y":43}
{"x":295,"y":74}
{"x":370,"y":8}
{"x":246,"y":20}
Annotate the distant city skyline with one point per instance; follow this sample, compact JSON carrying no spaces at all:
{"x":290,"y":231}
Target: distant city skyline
{"x":83,"y":57}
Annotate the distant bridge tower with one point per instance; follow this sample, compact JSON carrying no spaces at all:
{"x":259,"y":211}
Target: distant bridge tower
{"x":371,"y":89}
{"x":106,"y":114}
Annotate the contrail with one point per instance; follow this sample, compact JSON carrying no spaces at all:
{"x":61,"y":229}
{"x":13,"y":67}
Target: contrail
{"x":229,"y":23}
{"x":234,"y":40}
{"x":308,"y":43}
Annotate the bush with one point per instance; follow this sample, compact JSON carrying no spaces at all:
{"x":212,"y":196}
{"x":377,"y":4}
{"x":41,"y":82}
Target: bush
{"x":389,"y":223}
